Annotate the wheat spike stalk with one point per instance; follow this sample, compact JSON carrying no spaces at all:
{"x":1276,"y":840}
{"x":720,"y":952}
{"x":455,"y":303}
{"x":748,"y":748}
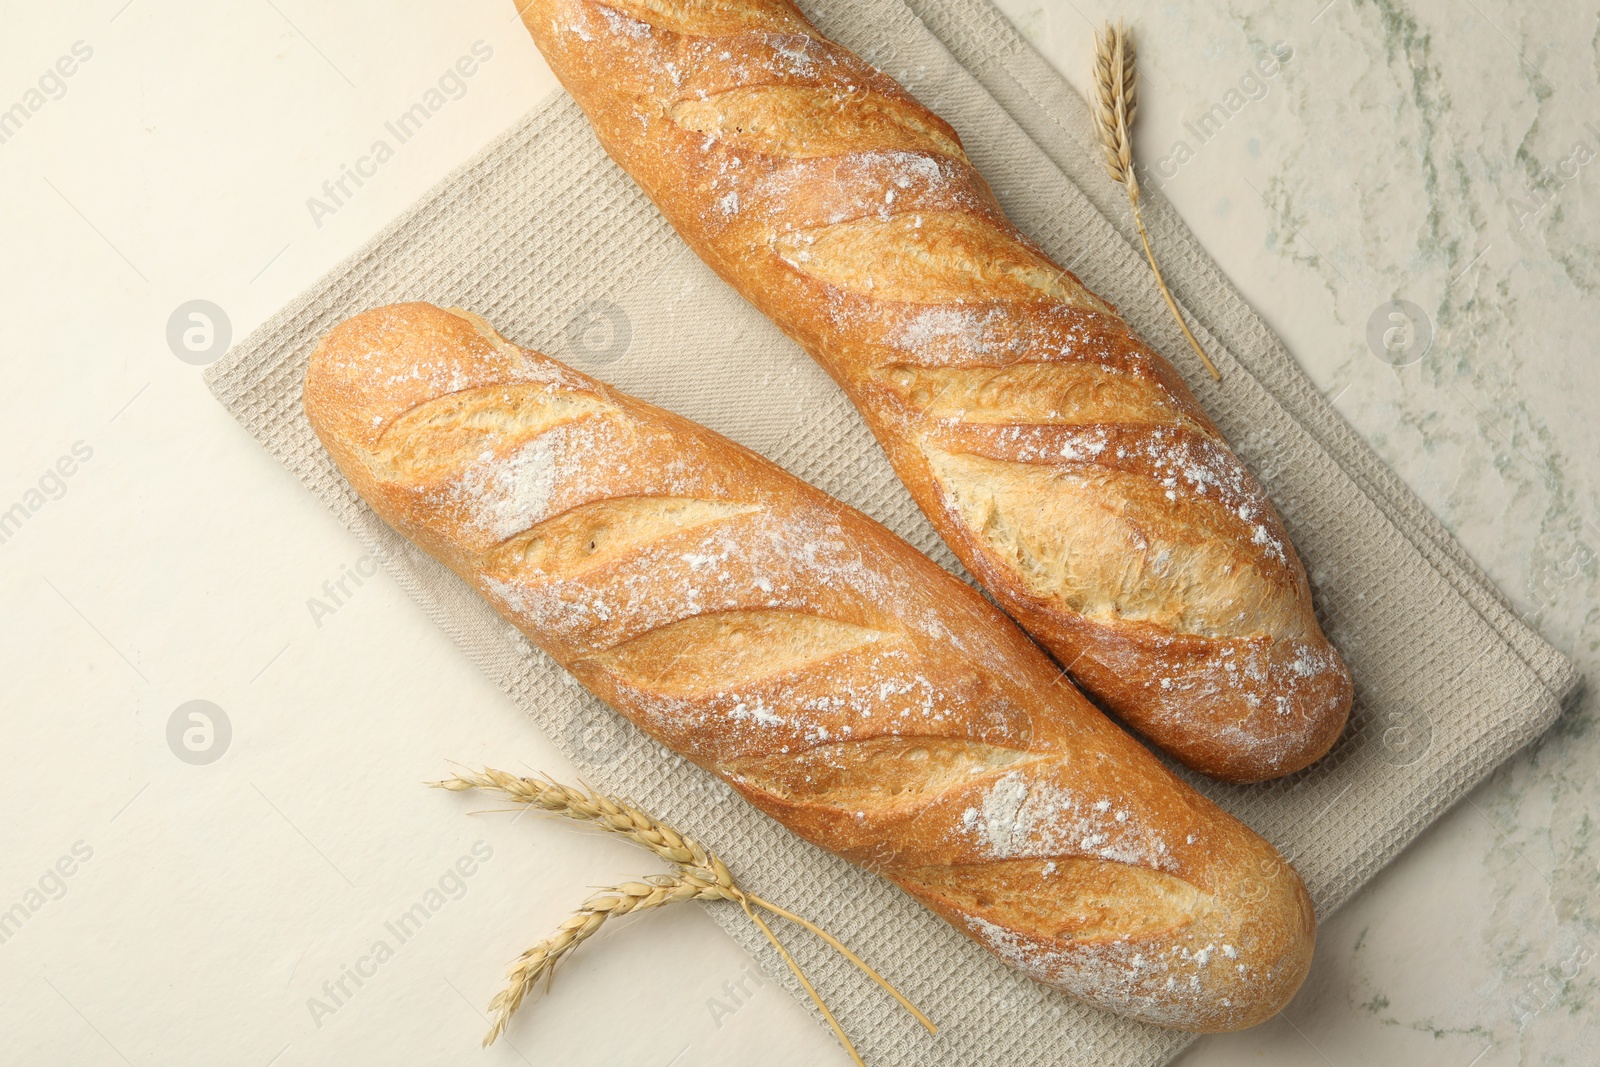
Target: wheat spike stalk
{"x":700,"y":876}
{"x":1116,"y":81}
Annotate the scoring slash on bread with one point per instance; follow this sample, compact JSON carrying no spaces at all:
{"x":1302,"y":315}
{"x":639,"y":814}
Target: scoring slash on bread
{"x":839,"y":680}
{"x":1061,"y":458}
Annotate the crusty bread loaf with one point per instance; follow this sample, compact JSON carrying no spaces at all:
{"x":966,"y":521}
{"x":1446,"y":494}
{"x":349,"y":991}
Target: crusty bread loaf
{"x":1062,"y":459}
{"x":838,"y":679}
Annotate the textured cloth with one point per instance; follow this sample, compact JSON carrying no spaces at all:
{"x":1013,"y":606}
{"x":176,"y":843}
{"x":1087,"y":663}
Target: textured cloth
{"x":548,"y":240}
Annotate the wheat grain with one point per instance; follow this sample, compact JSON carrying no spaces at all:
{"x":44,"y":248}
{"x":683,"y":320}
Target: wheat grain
{"x":1116,"y":83}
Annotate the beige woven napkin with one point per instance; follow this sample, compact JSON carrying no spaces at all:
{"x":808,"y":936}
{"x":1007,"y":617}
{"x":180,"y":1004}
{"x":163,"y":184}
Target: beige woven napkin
{"x":555,"y":246}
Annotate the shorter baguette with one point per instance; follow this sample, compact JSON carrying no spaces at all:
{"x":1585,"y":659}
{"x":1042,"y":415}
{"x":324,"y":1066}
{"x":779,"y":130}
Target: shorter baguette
{"x":839,"y":680}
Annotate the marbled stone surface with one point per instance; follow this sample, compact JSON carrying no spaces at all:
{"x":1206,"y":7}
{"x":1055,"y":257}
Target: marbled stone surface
{"x":1437,"y":153}
{"x":1442,"y":153}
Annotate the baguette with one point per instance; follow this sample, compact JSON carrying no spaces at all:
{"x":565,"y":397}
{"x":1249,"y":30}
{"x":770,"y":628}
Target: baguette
{"x":839,"y":680}
{"x":1064,"y":461}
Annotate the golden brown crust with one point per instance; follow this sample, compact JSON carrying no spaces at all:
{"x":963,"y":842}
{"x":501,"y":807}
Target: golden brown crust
{"x":1108,"y":516}
{"x":842,"y":682}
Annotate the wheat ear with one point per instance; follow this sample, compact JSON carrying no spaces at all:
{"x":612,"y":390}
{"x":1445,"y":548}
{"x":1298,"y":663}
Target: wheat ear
{"x":584,"y":805}
{"x":541,"y":960}
{"x":1116,"y":102}
{"x":700,"y":876}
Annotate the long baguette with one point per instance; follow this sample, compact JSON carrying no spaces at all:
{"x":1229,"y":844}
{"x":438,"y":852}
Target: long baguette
{"x":838,"y":679}
{"x":1062,"y":459}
